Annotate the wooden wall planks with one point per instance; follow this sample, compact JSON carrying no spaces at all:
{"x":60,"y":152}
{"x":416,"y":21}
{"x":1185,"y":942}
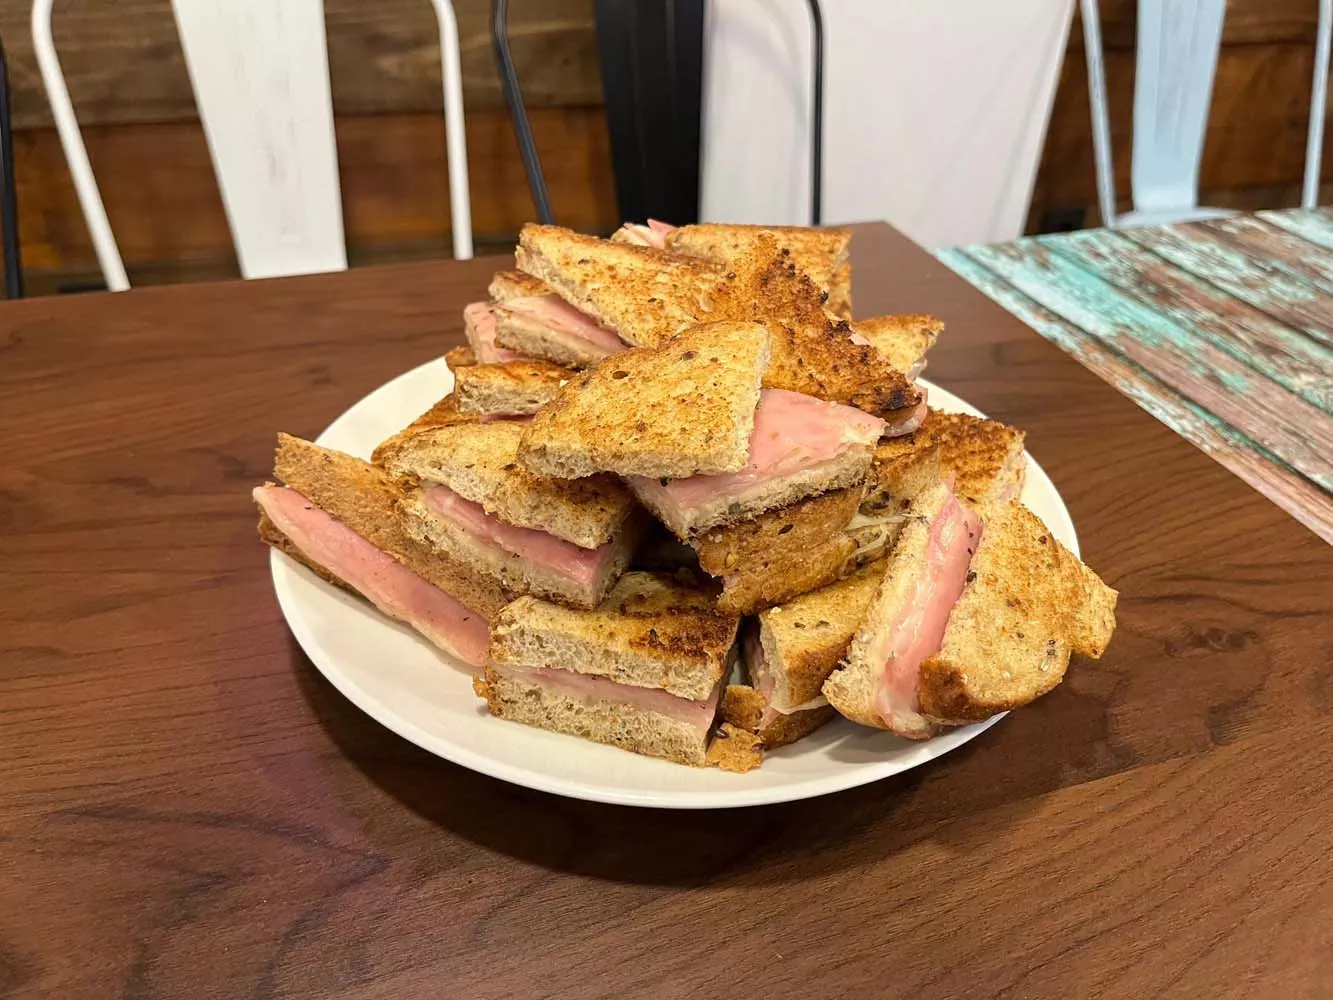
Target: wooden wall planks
{"x":123,"y":61}
{"x":165,"y":209}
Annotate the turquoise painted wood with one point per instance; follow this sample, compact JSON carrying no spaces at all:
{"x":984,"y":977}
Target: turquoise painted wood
{"x":1221,"y":330}
{"x":1299,"y":364}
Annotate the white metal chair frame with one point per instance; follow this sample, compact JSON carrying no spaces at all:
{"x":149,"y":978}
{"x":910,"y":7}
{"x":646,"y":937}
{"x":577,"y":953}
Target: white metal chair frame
{"x":1166,"y":188}
{"x":90,"y":198}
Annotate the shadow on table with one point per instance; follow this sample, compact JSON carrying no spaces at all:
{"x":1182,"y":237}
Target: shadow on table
{"x":757,"y":845}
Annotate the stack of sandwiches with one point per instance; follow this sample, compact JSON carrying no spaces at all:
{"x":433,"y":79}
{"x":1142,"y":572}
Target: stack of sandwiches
{"x":680,"y":503}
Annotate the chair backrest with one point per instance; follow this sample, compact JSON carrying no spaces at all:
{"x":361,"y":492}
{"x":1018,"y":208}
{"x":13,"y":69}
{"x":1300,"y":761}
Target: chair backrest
{"x":260,"y":74}
{"x":1178,"y":45}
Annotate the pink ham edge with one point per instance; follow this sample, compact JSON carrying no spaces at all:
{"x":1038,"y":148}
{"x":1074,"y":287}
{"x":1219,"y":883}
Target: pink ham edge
{"x":699,"y":714}
{"x":653,"y":235}
{"x":486,"y":349}
{"x":557,"y":314}
{"x":919,"y":632}
{"x":582,"y":566}
{"x":377,"y":576}
{"x":792,"y":432}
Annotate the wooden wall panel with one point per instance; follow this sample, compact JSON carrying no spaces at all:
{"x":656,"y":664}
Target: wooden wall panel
{"x":165,"y":209}
{"x":1255,"y":146}
{"x":123,"y":62}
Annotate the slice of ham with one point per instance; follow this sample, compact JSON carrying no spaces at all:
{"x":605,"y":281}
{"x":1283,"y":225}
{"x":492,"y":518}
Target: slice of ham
{"x":699,"y":714}
{"x":910,"y":421}
{"x":653,"y":235}
{"x":918,"y":632}
{"x":376,"y":575}
{"x":583,"y":566}
{"x":792,"y":433}
{"x":560,"y":317}
{"x":480,"y":325}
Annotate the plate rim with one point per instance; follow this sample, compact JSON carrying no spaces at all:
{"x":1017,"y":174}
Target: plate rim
{"x":284,"y":571}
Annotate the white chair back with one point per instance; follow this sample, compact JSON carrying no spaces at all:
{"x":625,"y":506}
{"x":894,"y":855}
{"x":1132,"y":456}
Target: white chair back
{"x":260,"y":74}
{"x":1178,"y":44}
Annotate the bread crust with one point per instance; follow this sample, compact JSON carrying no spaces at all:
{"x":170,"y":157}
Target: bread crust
{"x":511,"y":388}
{"x":651,"y":630}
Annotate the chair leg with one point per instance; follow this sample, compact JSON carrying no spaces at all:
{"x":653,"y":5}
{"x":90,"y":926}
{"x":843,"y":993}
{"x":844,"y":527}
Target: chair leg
{"x":9,"y":219}
{"x":527,"y":148}
{"x":1314,"y":142}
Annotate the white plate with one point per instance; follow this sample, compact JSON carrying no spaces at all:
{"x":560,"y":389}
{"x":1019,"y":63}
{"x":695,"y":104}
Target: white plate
{"x":402,"y":681}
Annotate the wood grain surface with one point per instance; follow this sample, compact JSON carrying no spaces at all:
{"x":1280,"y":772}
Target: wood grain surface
{"x":1223,"y":330}
{"x":188,"y":810}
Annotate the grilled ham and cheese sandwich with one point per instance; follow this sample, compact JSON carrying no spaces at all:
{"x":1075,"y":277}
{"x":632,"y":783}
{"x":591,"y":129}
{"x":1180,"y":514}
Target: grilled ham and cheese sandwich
{"x":697,"y":440}
{"x":336,"y":515}
{"x":530,"y":318}
{"x":470,"y":500}
{"x":644,"y":671}
{"x":971,"y":619}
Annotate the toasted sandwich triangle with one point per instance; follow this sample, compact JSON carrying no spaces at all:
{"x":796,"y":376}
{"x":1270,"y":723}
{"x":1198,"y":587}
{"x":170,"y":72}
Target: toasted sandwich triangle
{"x":680,"y":410}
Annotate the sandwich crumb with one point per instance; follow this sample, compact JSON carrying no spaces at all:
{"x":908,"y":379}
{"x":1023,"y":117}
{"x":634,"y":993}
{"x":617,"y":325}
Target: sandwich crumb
{"x":734,"y":750}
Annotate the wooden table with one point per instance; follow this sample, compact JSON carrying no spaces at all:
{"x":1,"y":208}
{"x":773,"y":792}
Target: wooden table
{"x":188,"y":810}
{"x":1222,"y":330}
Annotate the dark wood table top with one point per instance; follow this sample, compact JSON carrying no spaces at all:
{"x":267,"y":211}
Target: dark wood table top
{"x":188,"y":809}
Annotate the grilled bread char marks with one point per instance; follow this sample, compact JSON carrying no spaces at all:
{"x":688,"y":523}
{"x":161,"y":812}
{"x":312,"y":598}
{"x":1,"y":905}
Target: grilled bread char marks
{"x":820,"y":254}
{"x":1028,"y":604}
{"x":651,"y":631}
{"x":684,"y":409}
{"x":812,"y":353}
{"x":781,"y":553}
{"x":984,"y":457}
{"x":645,"y":295}
{"x":902,"y":340}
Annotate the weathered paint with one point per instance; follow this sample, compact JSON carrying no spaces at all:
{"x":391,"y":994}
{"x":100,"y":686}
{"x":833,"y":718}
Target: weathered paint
{"x":1228,"y":447}
{"x":1283,"y":296}
{"x":1312,"y":224}
{"x":1274,"y":248}
{"x":1265,"y":412}
{"x":1296,"y":362}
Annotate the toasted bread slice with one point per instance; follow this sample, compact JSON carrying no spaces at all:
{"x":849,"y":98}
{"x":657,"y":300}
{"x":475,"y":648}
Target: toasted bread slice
{"x":445,"y":413}
{"x":985,"y":458}
{"x":839,"y":302}
{"x":514,"y":388}
{"x":652,"y":631}
{"x":821,"y":254}
{"x":522,"y":695}
{"x":902,"y":340}
{"x":782,"y":553}
{"x":365,"y":498}
{"x":1027,"y":602}
{"x":506,"y":286}
{"x":804,"y":640}
{"x":747,"y":710}
{"x":514,"y":570}
{"x":812,"y":353}
{"x":1031,"y":601}
{"x":681,"y":410}
{"x":459,"y":357}
{"x":645,"y":295}
{"x":480,"y":463}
